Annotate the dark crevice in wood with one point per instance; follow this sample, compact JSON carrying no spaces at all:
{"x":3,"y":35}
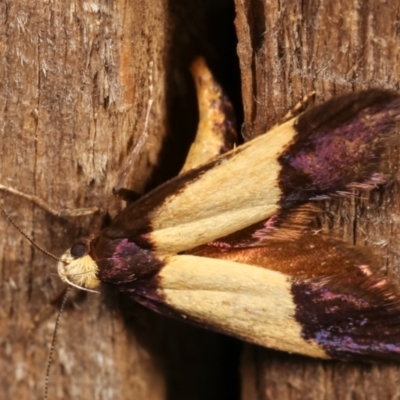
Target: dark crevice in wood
{"x":200,"y":365}
{"x":256,"y":20}
{"x":198,"y":29}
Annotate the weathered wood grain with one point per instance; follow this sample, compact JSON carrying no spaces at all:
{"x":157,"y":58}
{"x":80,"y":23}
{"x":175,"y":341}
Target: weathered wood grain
{"x":286,"y":49}
{"x":74,"y":83}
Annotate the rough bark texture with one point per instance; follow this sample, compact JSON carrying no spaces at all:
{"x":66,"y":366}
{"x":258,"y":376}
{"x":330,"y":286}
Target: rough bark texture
{"x":74,"y":82}
{"x":286,"y":49}
{"x":73,"y":93}
{"x":74,"y":86}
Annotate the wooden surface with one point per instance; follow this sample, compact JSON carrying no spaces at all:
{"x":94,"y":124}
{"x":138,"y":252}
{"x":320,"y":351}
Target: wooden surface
{"x":73,"y":92}
{"x":74,"y":86}
{"x":287,"y":49}
{"x":74,"y":81}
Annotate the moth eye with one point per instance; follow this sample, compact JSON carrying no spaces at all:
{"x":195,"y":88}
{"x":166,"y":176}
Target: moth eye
{"x":78,"y":250}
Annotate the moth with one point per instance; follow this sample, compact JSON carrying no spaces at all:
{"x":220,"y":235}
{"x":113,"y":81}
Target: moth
{"x":227,"y":245}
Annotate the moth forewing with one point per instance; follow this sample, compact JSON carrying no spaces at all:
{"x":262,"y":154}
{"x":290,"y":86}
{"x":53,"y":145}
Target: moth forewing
{"x":285,"y":167}
{"x":241,"y":300}
{"x":215,"y":199}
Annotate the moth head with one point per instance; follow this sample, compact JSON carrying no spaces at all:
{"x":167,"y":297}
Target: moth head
{"x":77,"y":268}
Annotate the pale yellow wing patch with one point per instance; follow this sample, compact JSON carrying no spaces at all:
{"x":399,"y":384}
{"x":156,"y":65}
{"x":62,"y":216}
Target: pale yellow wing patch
{"x":242,"y":300}
{"x":199,"y":213}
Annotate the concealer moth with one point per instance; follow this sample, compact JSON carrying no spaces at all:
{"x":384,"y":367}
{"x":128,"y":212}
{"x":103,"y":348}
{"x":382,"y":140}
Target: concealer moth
{"x":227,"y":244}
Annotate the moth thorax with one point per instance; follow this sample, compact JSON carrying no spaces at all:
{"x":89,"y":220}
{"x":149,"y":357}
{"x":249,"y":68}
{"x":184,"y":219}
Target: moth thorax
{"x":79,"y":272}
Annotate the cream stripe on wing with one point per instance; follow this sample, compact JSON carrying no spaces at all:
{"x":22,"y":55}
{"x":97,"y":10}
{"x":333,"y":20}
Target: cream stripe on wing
{"x":235,"y":193}
{"x":242,"y":300}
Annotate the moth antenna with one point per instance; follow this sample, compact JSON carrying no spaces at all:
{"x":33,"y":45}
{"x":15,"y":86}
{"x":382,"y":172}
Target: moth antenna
{"x":53,"y":344}
{"x":66,"y":212}
{"x":142,"y":139}
{"x":28,"y":238}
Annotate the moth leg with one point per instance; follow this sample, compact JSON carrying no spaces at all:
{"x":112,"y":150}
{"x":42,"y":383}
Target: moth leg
{"x":298,"y":108}
{"x":126,"y":194}
{"x":65,"y":212}
{"x":216,"y":133}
